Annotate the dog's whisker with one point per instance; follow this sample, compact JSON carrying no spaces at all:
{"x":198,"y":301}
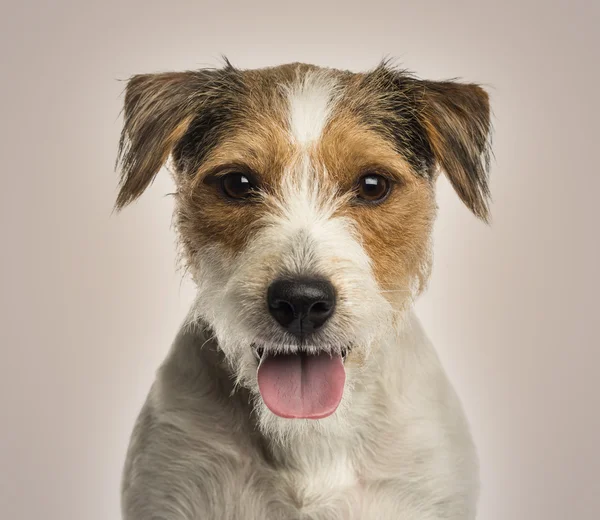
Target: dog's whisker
{"x":211,"y":338}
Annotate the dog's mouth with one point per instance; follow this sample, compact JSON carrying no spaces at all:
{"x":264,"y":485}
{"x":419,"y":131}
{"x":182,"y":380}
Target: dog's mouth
{"x":304,"y":384}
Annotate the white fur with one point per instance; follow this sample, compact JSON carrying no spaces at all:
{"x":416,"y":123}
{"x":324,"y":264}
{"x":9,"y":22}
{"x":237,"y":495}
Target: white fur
{"x":311,"y":101}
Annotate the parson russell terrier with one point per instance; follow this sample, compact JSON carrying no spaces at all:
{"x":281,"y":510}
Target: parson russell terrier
{"x":301,"y":385}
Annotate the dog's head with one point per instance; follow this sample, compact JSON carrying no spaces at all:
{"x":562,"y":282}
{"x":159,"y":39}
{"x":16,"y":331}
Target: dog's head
{"x":304,"y":205}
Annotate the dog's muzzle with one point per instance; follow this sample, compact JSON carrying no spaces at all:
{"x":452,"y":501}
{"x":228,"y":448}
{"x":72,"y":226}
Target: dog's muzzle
{"x":303,"y":381}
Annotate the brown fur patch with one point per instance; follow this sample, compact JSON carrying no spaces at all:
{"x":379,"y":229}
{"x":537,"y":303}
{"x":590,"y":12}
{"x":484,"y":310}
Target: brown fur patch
{"x":258,"y":144}
{"x":395,"y":232}
{"x":204,"y":215}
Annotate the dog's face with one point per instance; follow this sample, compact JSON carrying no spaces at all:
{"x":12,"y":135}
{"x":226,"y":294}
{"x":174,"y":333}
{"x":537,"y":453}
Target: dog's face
{"x":305,"y":202}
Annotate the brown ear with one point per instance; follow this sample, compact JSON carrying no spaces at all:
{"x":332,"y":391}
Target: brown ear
{"x":157,"y":112}
{"x":456,"y":118}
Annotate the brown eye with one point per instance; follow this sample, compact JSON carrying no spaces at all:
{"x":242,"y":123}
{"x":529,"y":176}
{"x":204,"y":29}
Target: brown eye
{"x":373,"y":188}
{"x":237,"y":186}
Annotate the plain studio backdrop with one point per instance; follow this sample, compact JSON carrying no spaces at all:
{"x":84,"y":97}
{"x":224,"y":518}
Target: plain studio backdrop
{"x":90,"y":301}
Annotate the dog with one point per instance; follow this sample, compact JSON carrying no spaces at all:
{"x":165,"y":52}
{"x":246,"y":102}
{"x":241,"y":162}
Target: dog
{"x":301,"y":385}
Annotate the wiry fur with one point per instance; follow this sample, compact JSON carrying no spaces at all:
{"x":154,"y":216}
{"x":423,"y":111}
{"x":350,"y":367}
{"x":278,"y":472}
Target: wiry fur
{"x":205,"y":444}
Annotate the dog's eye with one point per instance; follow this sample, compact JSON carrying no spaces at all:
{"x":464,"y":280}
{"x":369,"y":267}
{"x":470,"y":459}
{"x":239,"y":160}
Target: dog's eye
{"x":237,"y":186}
{"x":373,"y":188}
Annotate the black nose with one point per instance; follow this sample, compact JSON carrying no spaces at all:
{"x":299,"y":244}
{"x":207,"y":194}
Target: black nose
{"x":302,"y":305}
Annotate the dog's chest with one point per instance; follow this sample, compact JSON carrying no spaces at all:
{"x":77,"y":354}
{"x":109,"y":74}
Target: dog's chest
{"x":321,"y":486}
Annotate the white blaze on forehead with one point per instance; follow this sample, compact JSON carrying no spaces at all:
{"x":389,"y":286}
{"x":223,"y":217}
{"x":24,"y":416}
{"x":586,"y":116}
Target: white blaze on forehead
{"x":311,"y":101}
{"x":304,"y":201}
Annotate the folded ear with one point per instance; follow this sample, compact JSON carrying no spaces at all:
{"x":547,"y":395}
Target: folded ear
{"x":456,"y":118}
{"x":158,"y":110}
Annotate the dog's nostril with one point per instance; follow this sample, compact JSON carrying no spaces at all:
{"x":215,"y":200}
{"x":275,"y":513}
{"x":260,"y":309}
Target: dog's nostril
{"x":301,"y":305}
{"x":282,"y":311}
{"x":320,"y":309}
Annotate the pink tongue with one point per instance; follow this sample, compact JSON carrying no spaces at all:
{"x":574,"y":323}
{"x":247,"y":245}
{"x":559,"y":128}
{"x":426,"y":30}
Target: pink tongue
{"x":302,"y":386}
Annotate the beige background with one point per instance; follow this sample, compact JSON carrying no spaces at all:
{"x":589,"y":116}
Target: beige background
{"x":90,"y":301}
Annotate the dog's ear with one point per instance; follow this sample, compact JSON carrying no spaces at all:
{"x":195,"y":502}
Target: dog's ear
{"x":158,"y":110}
{"x":456,"y":118}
